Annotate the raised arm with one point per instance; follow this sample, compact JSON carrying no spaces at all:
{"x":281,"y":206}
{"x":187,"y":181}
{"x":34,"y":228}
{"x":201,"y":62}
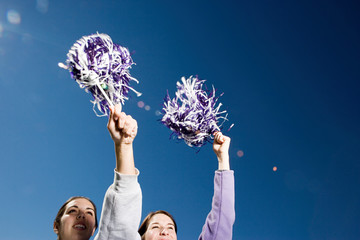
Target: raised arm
{"x":219,"y":222}
{"x":121,"y":210}
{"x":123,"y":130}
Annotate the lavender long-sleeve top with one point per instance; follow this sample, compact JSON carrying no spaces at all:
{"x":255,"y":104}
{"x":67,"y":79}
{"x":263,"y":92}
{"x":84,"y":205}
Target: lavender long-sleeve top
{"x":219,"y":222}
{"x":122,"y":209}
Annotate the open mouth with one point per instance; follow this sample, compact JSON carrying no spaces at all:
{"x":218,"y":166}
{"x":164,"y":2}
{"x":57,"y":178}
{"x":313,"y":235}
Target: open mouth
{"x":80,"y":226}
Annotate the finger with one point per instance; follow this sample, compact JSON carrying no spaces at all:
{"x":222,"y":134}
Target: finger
{"x":111,"y":122}
{"x":129,"y":126}
{"x":219,"y":137}
{"x":117,"y":111}
{"x":119,"y":107}
{"x":216,"y":136}
{"x":226,"y":140}
{"x":134,"y":131}
{"x":226,"y":144}
{"x":121,"y":121}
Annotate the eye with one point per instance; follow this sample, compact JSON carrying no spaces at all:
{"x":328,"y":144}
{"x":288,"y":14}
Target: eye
{"x":71,"y":211}
{"x":155,"y":226}
{"x":90,"y":213}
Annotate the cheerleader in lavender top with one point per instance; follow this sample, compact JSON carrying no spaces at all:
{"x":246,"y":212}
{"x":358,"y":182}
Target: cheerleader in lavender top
{"x":119,"y":215}
{"x":219,"y":222}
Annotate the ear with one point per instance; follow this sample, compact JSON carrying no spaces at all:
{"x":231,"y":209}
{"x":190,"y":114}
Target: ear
{"x":56,"y":229}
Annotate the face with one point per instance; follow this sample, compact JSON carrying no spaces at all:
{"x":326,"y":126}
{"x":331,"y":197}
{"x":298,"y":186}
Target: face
{"x":78,"y":221}
{"x":160,"y":227}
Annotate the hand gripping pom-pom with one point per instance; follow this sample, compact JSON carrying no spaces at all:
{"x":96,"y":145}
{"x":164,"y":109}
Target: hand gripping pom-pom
{"x":102,"y":68}
{"x":192,"y":114}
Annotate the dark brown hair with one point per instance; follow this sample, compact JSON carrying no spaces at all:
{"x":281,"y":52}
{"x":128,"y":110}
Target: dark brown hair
{"x":63,"y":207}
{"x":145,"y":224}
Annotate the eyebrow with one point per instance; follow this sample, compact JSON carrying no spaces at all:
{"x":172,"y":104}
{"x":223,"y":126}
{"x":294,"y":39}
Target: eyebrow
{"x":159,"y":223}
{"x":75,"y":206}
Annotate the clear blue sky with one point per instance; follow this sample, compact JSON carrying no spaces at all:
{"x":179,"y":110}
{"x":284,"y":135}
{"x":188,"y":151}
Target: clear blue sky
{"x":290,"y":75}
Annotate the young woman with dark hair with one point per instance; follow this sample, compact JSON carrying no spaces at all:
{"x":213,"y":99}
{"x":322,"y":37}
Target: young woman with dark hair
{"x":219,"y":222}
{"x":76,"y":219}
{"x":121,"y":211}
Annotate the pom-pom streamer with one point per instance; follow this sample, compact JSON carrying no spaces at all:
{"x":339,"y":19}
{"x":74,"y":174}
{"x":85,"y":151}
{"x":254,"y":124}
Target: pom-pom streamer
{"x":102,"y":68}
{"x":192,"y":114}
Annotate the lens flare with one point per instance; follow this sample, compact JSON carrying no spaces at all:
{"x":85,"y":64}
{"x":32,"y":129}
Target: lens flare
{"x":42,"y":6}
{"x":13,"y":17}
{"x":240,"y":153}
{"x":141,"y":104}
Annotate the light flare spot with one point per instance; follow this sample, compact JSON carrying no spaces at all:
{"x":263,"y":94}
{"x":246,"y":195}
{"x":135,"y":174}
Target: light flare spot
{"x":275,"y":168}
{"x":42,"y":6}
{"x":147,"y":107}
{"x":157,"y":113}
{"x":141,"y":104}
{"x":240,"y":153}
{"x":13,"y":17}
{"x":1,"y":29}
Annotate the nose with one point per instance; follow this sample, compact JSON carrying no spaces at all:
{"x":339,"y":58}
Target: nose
{"x":80,"y":215}
{"x":164,"y":231}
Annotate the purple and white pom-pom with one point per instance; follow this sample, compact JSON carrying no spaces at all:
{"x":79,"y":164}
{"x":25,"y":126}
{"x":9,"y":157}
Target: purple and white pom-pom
{"x":192,"y":114}
{"x":102,"y":68}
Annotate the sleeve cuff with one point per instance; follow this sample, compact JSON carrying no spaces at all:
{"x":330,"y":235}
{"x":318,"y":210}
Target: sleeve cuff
{"x":126,"y":182}
{"x":219,"y":172}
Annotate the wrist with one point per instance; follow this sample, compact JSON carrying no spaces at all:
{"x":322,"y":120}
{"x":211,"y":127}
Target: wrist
{"x":124,"y":159}
{"x":122,"y":145}
{"x":223,"y":163}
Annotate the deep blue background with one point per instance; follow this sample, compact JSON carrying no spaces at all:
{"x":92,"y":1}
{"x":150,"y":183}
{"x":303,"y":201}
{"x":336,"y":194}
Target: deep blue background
{"x":289,"y":71}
